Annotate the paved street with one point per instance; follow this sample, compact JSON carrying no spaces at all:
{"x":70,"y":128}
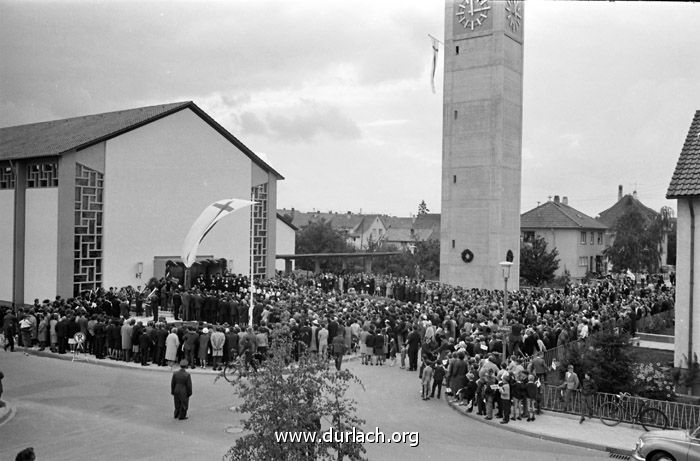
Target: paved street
{"x":70,"y":410}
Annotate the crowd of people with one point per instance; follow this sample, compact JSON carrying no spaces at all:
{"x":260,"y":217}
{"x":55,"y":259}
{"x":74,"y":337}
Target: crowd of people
{"x":459,"y":333}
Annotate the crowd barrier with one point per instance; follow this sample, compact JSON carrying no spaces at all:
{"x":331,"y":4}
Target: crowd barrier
{"x":680,"y":415}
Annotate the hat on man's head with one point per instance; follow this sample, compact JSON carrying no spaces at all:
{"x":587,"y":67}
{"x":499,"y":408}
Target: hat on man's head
{"x":184,"y":363}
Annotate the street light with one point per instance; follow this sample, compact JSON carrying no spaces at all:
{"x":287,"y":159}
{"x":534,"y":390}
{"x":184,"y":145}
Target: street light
{"x":505,"y":265}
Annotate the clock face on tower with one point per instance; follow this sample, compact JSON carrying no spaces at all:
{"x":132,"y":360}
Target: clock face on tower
{"x":514,"y":14}
{"x":472,"y":13}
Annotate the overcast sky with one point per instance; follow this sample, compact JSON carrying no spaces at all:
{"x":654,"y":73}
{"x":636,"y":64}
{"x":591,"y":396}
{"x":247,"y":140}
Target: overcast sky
{"x":336,"y":95}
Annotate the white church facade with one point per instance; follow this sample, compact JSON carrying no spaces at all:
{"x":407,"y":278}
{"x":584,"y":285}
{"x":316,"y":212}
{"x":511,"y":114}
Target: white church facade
{"x":96,"y":200}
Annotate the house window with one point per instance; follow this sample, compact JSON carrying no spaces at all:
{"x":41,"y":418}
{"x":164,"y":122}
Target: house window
{"x":529,"y":236}
{"x":583,"y":238}
{"x":583,"y":261}
{"x":591,"y":238}
{"x":600,"y":238}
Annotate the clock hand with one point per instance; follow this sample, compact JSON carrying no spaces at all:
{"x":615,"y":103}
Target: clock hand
{"x":471,"y":7}
{"x":486,"y":8}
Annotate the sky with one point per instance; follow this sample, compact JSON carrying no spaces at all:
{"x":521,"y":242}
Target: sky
{"x":336,"y":95}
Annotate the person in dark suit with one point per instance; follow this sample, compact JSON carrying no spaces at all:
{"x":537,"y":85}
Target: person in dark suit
{"x":196,"y":306}
{"x":181,"y":390}
{"x":413,"y":344}
{"x":186,"y":298}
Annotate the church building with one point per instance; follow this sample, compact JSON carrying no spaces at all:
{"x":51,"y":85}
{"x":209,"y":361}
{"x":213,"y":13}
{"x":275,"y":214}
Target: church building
{"x":106,"y":199}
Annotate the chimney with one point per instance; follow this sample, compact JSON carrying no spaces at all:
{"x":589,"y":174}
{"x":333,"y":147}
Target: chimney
{"x":565,"y":201}
{"x":556,"y":199}
{"x":619,"y":192}
{"x":634,"y":195}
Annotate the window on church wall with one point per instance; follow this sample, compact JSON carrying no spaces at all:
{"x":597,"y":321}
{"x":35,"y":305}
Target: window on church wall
{"x":42,"y":175}
{"x":87,"y":241}
{"x":258,"y":229}
{"x":7,"y":176}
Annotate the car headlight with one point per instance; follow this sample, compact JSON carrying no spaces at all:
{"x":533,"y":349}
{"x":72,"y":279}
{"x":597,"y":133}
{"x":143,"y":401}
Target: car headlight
{"x":639,"y":446}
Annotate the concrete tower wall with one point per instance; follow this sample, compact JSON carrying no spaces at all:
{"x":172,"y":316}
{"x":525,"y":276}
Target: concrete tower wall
{"x":482,"y":137}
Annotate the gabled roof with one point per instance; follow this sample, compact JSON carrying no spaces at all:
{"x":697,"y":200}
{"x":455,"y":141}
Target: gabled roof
{"x":60,"y":136}
{"x":556,"y":215}
{"x":291,"y":226}
{"x":686,"y":178}
{"x":623,"y":206}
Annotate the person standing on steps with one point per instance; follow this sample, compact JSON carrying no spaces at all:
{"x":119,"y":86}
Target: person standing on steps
{"x":181,"y":390}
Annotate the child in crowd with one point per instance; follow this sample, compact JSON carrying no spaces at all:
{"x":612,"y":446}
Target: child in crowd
{"x":504,"y":389}
{"x":438,"y":377}
{"x":531,"y":392}
{"x":517,"y":390}
{"x":427,"y":378}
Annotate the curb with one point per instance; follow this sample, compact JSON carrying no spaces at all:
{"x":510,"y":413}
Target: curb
{"x":551,"y":438}
{"x":8,"y":414}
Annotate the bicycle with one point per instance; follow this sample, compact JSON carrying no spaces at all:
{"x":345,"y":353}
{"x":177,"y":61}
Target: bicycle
{"x":611,"y":413}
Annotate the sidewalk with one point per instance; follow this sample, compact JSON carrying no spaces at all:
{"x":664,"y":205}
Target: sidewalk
{"x":565,"y":428}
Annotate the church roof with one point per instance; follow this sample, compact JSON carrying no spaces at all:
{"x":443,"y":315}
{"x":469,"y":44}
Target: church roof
{"x":57,"y":137}
{"x":686,"y":179}
{"x":556,"y":215}
{"x":623,"y":206}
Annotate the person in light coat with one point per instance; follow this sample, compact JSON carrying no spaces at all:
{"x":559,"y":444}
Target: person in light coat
{"x":217,"y":341}
{"x":172,"y":343}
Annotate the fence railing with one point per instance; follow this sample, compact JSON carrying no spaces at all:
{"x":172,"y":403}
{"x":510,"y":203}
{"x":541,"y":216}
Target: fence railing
{"x":680,"y":415}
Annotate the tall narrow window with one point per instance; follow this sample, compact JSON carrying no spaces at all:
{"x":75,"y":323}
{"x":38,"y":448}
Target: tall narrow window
{"x":456,"y":115}
{"x":453,"y":243}
{"x":454,"y":179}
{"x":456,"y":50}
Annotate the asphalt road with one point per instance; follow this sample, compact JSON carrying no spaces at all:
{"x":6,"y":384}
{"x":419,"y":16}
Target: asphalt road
{"x":79,"y":410}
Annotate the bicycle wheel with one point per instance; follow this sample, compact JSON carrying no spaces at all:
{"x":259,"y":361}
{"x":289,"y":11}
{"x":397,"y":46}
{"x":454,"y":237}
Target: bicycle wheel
{"x":610,"y":414}
{"x":232,"y":372}
{"x":653,"y":418}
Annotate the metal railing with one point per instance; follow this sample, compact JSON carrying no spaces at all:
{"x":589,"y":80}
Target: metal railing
{"x":680,"y":415}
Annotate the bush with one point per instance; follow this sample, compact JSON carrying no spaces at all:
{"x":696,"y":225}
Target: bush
{"x":652,"y":381}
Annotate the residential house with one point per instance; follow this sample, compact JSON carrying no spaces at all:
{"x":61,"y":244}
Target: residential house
{"x":685,"y":188}
{"x":578,"y":238}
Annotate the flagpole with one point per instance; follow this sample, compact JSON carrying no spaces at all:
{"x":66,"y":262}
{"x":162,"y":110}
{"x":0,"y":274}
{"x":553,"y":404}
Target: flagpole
{"x":252,"y":284}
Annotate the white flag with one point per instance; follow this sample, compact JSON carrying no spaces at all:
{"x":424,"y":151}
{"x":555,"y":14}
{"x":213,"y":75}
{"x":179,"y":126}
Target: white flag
{"x":205,"y":222}
{"x":435,"y":55}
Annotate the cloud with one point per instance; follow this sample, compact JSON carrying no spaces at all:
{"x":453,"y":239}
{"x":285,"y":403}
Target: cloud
{"x":251,"y":124}
{"x":309,"y":119}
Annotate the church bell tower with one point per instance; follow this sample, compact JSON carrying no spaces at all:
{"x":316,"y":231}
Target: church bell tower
{"x":482,"y":142}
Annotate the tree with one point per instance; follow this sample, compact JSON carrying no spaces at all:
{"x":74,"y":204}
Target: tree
{"x":636,"y":244}
{"x":423,"y":208}
{"x":423,"y":255}
{"x":295,"y":397}
{"x":537,"y":265}
{"x":607,"y":358}
{"x":319,"y":237}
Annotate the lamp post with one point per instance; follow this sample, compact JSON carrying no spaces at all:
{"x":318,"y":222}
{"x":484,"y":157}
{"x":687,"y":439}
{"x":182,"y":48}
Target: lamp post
{"x":505,"y":265}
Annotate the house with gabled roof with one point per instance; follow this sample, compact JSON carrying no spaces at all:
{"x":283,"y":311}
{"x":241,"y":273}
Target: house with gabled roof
{"x":106,"y":199}
{"x":685,"y":188}
{"x":627,"y":204}
{"x":577,"y":237}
